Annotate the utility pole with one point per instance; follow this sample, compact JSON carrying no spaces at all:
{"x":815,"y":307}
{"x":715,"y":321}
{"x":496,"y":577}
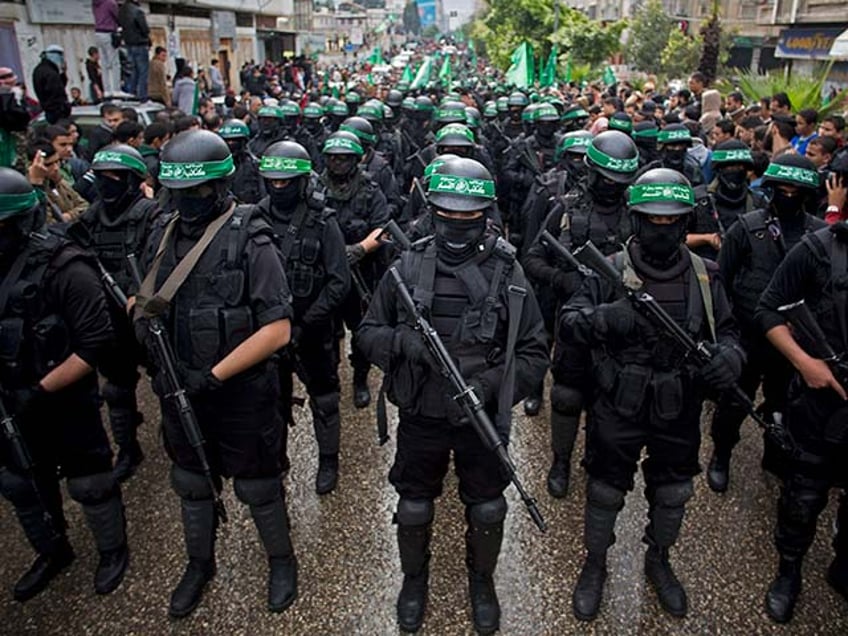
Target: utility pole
{"x":556,"y":16}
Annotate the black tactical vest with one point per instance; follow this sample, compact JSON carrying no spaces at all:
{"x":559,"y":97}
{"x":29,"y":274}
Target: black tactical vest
{"x":34,"y":338}
{"x":582,"y":223}
{"x":247,"y":183}
{"x":354,"y":214}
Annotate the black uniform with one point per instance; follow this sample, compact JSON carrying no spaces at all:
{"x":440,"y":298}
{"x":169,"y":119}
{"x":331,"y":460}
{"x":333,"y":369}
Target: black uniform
{"x":815,"y":271}
{"x":750,"y":253}
{"x":247,"y":184}
{"x":527,"y":158}
{"x":56,"y":307}
{"x":361,"y":208}
{"x":313,"y":252}
{"x":381,"y":172}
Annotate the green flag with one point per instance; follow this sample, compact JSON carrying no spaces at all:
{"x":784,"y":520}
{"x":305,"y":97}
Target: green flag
{"x":609,"y":76}
{"x":423,"y":75}
{"x":568,"y":70}
{"x":521,"y":72}
{"x":472,"y":53}
{"x":445,"y":72}
{"x":407,"y":74}
{"x":547,"y":76}
{"x":195,"y":102}
{"x":376,"y":56}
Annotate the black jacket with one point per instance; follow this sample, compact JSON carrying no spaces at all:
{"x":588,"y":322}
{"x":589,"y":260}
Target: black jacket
{"x":49,"y":84}
{"x":135,"y":31}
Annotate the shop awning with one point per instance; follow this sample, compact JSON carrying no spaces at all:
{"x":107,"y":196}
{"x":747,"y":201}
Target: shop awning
{"x":839,"y":50}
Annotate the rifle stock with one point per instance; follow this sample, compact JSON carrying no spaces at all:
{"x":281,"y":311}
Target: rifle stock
{"x":466,"y":397}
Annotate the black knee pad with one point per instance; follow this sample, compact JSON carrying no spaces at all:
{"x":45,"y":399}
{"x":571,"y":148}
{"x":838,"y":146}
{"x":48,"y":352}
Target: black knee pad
{"x":327,"y":405}
{"x":802,"y":507}
{"x":17,"y":488}
{"x":117,"y":396}
{"x":258,"y":492}
{"x":673,"y":495}
{"x":189,"y":485}
{"x":92,"y":489}
{"x":604,"y":496}
{"x":488,"y":513}
{"x":414,"y":512}
{"x":566,"y":399}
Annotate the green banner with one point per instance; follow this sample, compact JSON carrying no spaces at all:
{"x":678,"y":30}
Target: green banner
{"x":521,"y":73}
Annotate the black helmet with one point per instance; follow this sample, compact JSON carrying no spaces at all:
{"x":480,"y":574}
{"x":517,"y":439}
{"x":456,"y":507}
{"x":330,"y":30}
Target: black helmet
{"x":361,"y":128}
{"x":614,"y":155}
{"x":731,"y":152}
{"x":17,"y":195}
{"x":517,"y":98}
{"x":342,"y":142}
{"x":454,"y":135}
{"x":622,"y":122}
{"x":290,"y":108}
{"x":661,"y":192}
{"x":472,"y":117}
{"x":352,"y":98}
{"x":372,"y":110}
{"x":793,"y":170}
{"x":461,"y":185}
{"x":646,"y":131}
{"x":394,"y":98}
{"x":546,"y":112}
{"x":451,"y":113}
{"x":675,"y":134}
{"x":234,"y":129}
{"x":120,"y":158}
{"x":313,"y":110}
{"x":422,"y":108}
{"x":285,"y":160}
{"x":272,"y":112}
{"x":194,"y":157}
{"x":575,"y":142}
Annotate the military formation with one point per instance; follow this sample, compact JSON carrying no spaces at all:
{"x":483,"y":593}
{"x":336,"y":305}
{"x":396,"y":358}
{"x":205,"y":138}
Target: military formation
{"x":464,"y":240}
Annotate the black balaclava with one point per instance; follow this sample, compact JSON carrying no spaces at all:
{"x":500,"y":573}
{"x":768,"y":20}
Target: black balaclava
{"x":237,"y":146}
{"x":457,"y":239}
{"x":573,"y":164}
{"x":343,"y":172}
{"x":115,"y":193}
{"x":197,"y":209}
{"x":788,"y":208}
{"x":545,"y":131}
{"x":673,"y":159}
{"x":313,"y":126}
{"x":268,"y":126}
{"x":732,"y":185}
{"x":13,"y":235}
{"x":660,"y":243}
{"x":605,"y":191}
{"x":284,"y":200}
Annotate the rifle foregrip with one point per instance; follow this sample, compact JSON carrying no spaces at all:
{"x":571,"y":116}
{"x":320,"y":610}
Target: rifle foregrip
{"x":593,"y":258}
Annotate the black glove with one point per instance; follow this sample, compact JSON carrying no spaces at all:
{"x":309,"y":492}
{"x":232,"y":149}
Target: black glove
{"x":725,"y":367}
{"x":196,"y":381}
{"x":411,"y":346}
{"x":354,"y":253}
{"x":614,"y":320}
{"x":296,"y":335}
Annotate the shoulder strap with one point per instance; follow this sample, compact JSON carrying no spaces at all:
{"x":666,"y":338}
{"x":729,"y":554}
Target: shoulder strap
{"x":516,"y":293}
{"x":703,"y":279}
{"x":292,"y":232}
{"x":154,"y":304}
{"x":424,"y":286}
{"x":12,"y":277}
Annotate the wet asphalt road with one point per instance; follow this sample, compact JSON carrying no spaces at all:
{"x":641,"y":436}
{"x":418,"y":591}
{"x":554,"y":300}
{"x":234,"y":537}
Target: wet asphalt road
{"x":349,"y":571}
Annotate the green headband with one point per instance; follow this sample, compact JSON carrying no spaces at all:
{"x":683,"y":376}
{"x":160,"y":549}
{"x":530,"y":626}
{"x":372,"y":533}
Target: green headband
{"x":624,"y":125}
{"x":575,"y":114}
{"x":285,"y":164}
{"x":666,"y":136}
{"x":455,"y":129}
{"x":450,"y":112}
{"x":646,"y":133}
{"x":449,"y":184}
{"x":359,"y":133}
{"x":365,"y":111}
{"x":110,"y":156}
{"x":432,"y":166}
{"x":737,"y":155}
{"x":611,"y":163}
{"x":240,"y":130}
{"x":270,"y":111}
{"x":660,"y":193}
{"x":571,"y":142}
{"x":313,"y":109}
{"x":793,"y":174}
{"x":189,"y":171}
{"x":345,"y":144}
{"x":290,"y":109}
{"x":12,"y":204}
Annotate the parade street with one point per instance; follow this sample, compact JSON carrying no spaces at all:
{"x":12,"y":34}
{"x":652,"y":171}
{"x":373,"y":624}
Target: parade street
{"x":347,"y":552}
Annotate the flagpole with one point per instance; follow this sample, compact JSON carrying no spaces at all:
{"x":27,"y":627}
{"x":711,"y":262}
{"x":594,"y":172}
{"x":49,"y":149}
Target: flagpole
{"x":556,"y":16}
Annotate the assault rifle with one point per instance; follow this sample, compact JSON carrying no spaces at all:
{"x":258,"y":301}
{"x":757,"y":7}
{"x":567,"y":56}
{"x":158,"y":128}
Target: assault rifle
{"x":80,"y":234}
{"x":803,"y":320}
{"x":466,"y":397}
{"x":176,"y":393}
{"x":23,"y":459}
{"x":698,"y":353}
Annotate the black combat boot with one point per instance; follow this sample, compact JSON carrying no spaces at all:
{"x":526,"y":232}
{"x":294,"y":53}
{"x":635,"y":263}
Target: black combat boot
{"x":124,"y":423}
{"x":107,"y":524}
{"x":784,"y":590}
{"x":666,"y":509}
{"x":718,"y":472}
{"x":532,"y":405}
{"x":483,"y":545}
{"x":199,"y":525}
{"x":45,"y":568}
{"x":413,"y":545}
{"x":327,"y":477}
{"x":603,"y":502}
{"x":361,"y":392}
{"x":563,"y":434}
{"x":267,"y":503}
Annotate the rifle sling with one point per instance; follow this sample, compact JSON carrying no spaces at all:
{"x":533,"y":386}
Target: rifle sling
{"x":154,"y":304}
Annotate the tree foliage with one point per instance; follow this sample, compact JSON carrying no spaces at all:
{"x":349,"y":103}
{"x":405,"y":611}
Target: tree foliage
{"x":680,"y":55}
{"x":650,"y":29}
{"x":588,"y":41}
{"x":711,"y":48}
{"x":411,"y":19}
